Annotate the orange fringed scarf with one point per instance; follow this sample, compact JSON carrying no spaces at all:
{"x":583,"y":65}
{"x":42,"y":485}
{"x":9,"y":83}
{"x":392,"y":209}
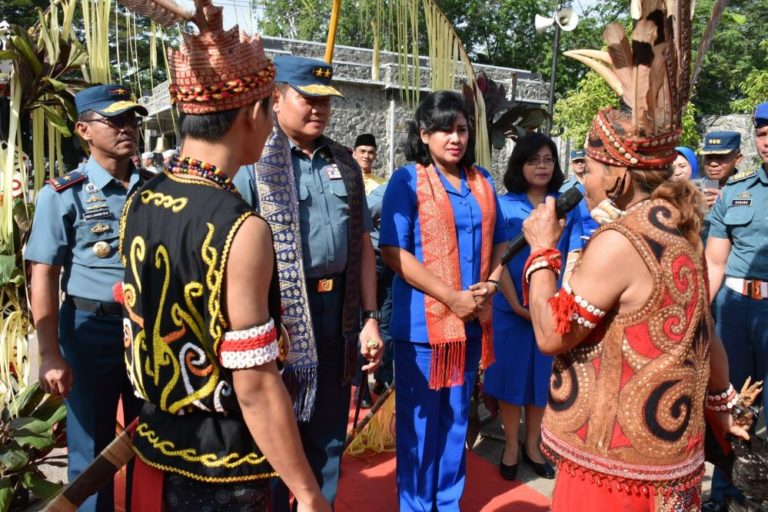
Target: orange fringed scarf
{"x":446,"y":331}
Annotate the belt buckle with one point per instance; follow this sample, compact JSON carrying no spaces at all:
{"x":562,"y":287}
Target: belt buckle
{"x":325,"y":285}
{"x":757,"y":289}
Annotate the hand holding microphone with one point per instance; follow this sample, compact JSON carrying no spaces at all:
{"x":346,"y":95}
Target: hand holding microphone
{"x":544,"y":227}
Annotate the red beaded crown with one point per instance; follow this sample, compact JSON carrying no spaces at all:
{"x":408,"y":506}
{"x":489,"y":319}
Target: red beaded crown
{"x":214,"y":70}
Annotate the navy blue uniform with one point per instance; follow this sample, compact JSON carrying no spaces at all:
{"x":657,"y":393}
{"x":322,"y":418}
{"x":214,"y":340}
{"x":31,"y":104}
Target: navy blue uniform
{"x":76,"y":227}
{"x":741,"y":317}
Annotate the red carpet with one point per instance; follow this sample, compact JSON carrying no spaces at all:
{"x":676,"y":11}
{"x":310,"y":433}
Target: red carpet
{"x":368,"y":484}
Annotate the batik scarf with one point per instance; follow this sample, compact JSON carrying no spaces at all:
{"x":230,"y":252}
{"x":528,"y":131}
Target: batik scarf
{"x":279,"y":206}
{"x":446,"y":331}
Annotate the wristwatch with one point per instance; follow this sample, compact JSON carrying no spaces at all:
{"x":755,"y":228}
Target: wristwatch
{"x":374,"y":313}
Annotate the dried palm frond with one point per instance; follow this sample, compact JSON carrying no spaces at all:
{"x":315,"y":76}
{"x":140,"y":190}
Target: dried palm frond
{"x":709,"y":33}
{"x":447,"y":56}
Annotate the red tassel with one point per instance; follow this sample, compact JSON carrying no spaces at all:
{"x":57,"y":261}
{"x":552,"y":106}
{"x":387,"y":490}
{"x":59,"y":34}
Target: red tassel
{"x":447,"y":365}
{"x":117,"y":292}
{"x":488,"y":356}
{"x":563,"y":307}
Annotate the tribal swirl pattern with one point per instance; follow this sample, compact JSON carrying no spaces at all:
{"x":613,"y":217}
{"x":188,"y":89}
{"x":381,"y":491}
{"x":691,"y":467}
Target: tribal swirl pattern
{"x":629,"y":401}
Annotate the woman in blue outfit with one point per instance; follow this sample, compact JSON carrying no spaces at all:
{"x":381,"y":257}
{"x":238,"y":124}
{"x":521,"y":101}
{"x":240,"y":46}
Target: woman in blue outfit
{"x":438,"y":228}
{"x":685,"y":166}
{"x":520,"y":376}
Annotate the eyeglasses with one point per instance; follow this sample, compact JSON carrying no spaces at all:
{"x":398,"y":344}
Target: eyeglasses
{"x":546,"y":161}
{"x":118,"y":122}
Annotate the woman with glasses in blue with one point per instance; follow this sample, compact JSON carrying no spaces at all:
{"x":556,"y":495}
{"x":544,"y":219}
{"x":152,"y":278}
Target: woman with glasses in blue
{"x":520,"y":377}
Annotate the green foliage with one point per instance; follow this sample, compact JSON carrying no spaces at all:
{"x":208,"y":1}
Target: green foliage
{"x":755,"y":90}
{"x":690,"y":136}
{"x":736,"y":57}
{"x":575,"y":111}
{"x":308,"y":20}
{"x":32,"y":425}
{"x":21,"y":12}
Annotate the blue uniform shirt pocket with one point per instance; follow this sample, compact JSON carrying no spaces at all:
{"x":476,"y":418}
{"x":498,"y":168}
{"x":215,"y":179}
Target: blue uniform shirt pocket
{"x":338,"y":189}
{"x":738,"y":216}
{"x":91,"y":236}
{"x":303,"y":192}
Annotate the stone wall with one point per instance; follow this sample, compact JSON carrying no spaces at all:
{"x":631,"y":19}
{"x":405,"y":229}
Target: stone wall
{"x":386,"y":116}
{"x":372,"y":102}
{"x":741,"y":123}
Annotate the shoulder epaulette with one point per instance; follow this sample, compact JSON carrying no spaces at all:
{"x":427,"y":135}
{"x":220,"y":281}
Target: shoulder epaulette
{"x":66,"y":181}
{"x":146,"y":175}
{"x":741,"y":176}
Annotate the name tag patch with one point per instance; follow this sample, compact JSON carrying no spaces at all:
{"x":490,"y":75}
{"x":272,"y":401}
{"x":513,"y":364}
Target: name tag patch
{"x":97,"y":214}
{"x":333,"y":172}
{"x":741,"y":202}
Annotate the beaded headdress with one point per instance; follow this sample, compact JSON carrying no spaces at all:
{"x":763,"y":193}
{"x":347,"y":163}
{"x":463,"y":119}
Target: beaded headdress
{"x":651,"y":74}
{"x":216,"y":69}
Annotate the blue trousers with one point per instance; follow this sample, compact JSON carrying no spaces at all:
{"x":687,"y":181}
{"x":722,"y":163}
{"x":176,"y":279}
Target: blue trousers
{"x":742,"y":324}
{"x":323,"y":435}
{"x":431,"y":429}
{"x":93,"y":348}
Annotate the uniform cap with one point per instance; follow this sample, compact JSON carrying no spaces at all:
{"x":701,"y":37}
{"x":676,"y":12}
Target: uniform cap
{"x":720,"y":143}
{"x":108,"y":100}
{"x":310,"y":77}
{"x":761,"y":115}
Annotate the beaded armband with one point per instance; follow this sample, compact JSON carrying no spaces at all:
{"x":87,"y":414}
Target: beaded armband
{"x":249,"y":347}
{"x":721,"y":401}
{"x":567,"y":308}
{"x":545,"y":258}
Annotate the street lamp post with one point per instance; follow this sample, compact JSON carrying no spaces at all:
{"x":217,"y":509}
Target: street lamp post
{"x":553,"y":75}
{"x":563,"y":19}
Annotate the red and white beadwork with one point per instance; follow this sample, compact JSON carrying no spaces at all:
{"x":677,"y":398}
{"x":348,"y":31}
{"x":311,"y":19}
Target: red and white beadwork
{"x":722,"y":401}
{"x":249,"y":347}
{"x":586,"y":314}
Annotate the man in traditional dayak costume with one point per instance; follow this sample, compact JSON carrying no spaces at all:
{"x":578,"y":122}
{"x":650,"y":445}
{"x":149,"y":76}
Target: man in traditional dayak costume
{"x":202,"y":301}
{"x":310,"y":191}
{"x":638,"y":365}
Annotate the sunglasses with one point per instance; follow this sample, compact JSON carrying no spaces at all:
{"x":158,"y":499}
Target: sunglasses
{"x":118,"y":122}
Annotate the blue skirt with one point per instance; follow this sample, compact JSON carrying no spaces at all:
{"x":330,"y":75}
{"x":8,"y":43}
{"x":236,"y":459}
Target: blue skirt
{"x":520,"y":375}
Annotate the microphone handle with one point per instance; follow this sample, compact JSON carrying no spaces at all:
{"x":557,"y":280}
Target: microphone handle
{"x":515,"y":245}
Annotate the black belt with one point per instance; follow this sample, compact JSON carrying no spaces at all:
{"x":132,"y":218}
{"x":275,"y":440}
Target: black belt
{"x":95,"y":306}
{"x":326,"y":284}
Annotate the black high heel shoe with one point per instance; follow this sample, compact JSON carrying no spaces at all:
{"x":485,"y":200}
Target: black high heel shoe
{"x":508,"y":472}
{"x":544,"y":470}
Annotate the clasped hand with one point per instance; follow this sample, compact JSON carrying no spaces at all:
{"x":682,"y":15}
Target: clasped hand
{"x":473,"y":303}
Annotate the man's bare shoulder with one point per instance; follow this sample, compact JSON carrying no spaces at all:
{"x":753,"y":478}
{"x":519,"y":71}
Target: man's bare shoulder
{"x":253,"y":238}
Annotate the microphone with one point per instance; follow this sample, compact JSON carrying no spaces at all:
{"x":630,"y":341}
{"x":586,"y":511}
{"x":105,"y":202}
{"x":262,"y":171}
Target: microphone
{"x":567,"y":201}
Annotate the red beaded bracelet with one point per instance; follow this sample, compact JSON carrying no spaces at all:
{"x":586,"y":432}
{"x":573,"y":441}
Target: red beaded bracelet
{"x":541,"y":259}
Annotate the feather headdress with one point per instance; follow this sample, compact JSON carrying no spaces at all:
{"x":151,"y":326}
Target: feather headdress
{"x":651,"y":73}
{"x":216,"y":69}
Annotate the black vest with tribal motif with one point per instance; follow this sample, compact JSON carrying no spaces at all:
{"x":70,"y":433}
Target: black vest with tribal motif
{"x":175,"y":237}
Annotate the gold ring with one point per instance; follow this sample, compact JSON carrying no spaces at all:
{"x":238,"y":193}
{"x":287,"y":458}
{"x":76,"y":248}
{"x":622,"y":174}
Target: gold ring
{"x":371,"y":343}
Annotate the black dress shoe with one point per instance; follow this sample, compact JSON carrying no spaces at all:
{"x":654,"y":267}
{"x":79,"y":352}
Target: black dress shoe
{"x":544,"y":470}
{"x":379,"y":387}
{"x":713,"y":506}
{"x":508,"y":472}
